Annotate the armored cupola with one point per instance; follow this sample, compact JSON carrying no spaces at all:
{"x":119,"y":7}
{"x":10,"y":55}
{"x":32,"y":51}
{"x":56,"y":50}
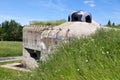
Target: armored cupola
{"x":81,"y":16}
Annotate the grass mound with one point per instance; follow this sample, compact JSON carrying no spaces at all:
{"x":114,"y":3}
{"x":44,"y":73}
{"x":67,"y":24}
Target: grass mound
{"x":96,"y":57}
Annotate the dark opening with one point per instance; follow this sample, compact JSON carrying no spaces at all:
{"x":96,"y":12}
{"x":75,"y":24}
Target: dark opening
{"x":76,"y":17}
{"x":80,"y":16}
{"x":68,"y":18}
{"x":34,"y":53}
{"x":88,"y":19}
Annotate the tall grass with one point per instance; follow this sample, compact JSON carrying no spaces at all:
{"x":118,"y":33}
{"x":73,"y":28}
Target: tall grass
{"x":96,"y":57}
{"x":10,"y":48}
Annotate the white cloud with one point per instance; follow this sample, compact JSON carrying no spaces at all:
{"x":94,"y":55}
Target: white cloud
{"x":5,"y":17}
{"x":50,"y":4}
{"x":54,"y":5}
{"x":91,"y":3}
{"x":87,"y":2}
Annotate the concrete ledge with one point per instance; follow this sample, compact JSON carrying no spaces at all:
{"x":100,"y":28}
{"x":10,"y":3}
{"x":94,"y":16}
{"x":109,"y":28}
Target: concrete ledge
{"x":15,"y":66}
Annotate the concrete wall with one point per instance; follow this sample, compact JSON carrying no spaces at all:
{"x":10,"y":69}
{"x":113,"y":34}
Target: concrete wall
{"x":38,"y":41}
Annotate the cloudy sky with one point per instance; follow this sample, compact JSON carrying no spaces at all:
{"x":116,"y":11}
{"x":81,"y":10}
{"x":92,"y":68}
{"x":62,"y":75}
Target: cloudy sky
{"x":24,"y":11}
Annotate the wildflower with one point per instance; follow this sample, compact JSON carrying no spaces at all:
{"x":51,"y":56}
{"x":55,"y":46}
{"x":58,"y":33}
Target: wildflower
{"x":92,"y":40}
{"x":78,"y":69}
{"x":86,"y":61}
{"x":103,"y":52}
{"x":107,"y":52}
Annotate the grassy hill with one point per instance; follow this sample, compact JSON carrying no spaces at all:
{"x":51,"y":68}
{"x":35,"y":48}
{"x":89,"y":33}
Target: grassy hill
{"x":96,"y":57}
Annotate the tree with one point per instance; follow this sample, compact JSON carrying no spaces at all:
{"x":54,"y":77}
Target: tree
{"x":11,"y":31}
{"x":113,"y":24}
{"x":16,"y":30}
{"x":0,"y":33}
{"x":118,"y":25}
{"x":109,"y":23}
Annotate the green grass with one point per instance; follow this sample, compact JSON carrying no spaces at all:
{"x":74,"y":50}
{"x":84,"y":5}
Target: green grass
{"x":117,"y":27}
{"x":48,"y":23}
{"x":10,"y":48}
{"x":96,"y":57}
{"x":9,"y":74}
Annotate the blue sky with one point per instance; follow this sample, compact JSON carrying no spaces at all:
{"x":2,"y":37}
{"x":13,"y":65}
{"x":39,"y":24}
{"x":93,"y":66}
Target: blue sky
{"x":24,"y":11}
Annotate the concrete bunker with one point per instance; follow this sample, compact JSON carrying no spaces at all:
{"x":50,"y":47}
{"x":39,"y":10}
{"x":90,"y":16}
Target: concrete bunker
{"x":39,"y":41}
{"x":80,"y":16}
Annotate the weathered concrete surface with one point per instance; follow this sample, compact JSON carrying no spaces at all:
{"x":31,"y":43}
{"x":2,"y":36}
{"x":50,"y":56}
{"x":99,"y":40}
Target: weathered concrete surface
{"x":15,"y":66}
{"x":6,"y":59}
{"x":38,"y":41}
{"x":77,"y":29}
{"x":29,"y":63}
